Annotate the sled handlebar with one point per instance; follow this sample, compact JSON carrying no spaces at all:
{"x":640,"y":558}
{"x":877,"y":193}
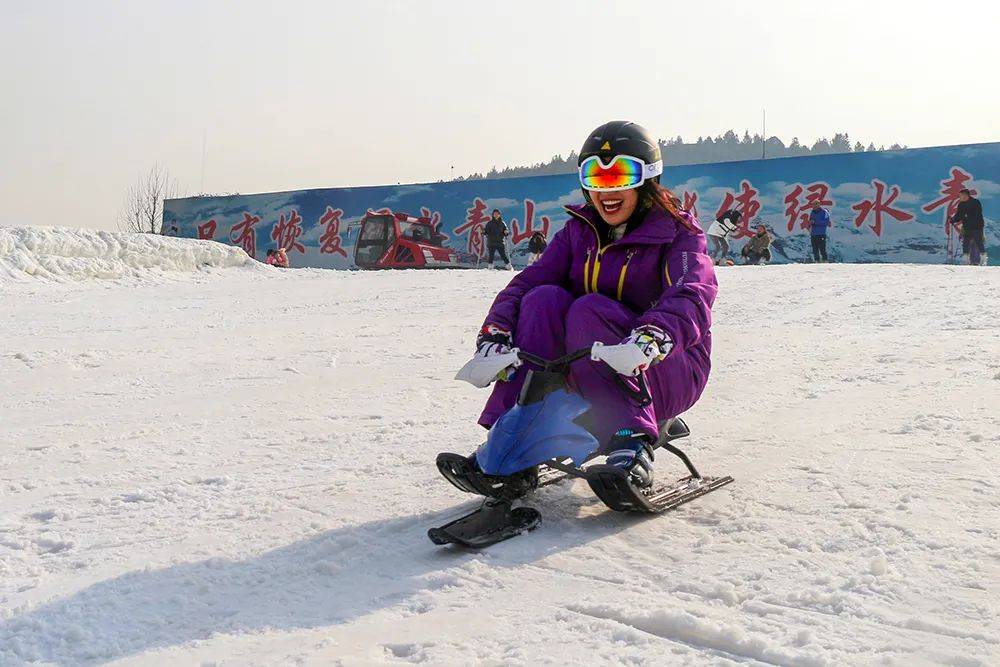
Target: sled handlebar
{"x":554,"y":365}
{"x":561,"y":364}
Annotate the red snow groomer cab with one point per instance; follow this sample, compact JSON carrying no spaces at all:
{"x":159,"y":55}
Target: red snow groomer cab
{"x":401,"y":241}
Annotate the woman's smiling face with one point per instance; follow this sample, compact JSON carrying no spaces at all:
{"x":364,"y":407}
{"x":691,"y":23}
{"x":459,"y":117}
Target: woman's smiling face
{"x":615,"y":207}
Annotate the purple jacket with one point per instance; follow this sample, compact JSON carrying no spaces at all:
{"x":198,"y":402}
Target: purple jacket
{"x":660,"y":270}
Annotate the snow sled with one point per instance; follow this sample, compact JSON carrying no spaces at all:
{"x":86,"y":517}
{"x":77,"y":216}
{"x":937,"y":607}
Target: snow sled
{"x":544,"y":439}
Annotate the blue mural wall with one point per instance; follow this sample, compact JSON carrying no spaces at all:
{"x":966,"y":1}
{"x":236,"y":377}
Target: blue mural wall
{"x":887,"y":207}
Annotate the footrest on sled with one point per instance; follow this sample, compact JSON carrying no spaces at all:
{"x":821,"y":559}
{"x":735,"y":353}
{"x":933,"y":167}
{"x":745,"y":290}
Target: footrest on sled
{"x":613,"y":486}
{"x":494,"y":522}
{"x":464,"y":473}
{"x":458,"y":470}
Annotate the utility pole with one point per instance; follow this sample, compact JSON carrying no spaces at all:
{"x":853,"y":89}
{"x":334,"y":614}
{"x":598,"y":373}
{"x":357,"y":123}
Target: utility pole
{"x":204,"y":145}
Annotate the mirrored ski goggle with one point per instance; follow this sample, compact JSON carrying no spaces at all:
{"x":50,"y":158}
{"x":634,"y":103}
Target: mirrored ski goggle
{"x":624,"y":172}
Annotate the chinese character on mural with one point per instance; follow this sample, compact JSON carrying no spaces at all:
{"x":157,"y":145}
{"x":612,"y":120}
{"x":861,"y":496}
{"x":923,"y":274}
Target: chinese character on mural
{"x":691,"y":203}
{"x":816,"y":193}
{"x":746,"y":203}
{"x":950,"y":188}
{"x":473,"y":227}
{"x":206,"y":230}
{"x":329,"y":242}
{"x":244,"y":234}
{"x":287,"y":232}
{"x":435,"y":218}
{"x":518,"y":235}
{"x":867,"y":206}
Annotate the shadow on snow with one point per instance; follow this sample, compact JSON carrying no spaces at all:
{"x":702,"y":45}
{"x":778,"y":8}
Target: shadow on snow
{"x":326,"y":580}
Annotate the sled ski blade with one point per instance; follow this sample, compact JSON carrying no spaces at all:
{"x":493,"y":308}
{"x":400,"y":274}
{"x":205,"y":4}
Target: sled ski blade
{"x":669,"y":497}
{"x":613,"y":486}
{"x":494,"y":522}
{"x":547,"y":475}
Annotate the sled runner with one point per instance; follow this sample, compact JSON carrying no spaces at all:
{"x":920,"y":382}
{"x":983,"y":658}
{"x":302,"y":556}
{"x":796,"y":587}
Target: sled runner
{"x":543,"y":440}
{"x":494,"y":522}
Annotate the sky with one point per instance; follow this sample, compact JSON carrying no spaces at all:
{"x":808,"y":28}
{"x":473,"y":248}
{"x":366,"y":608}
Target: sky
{"x":255,"y":96}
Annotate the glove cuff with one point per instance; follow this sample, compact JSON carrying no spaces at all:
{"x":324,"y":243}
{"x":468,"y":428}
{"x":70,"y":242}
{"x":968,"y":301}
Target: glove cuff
{"x":659,"y":336}
{"x":653,"y":331}
{"x":491,"y":333}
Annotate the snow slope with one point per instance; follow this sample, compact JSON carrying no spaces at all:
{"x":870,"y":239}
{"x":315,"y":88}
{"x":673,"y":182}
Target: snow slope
{"x":67,"y":254}
{"x":239,"y":470}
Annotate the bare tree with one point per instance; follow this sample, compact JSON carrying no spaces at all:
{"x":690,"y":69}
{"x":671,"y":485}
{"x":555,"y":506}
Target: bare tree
{"x":143,"y":210}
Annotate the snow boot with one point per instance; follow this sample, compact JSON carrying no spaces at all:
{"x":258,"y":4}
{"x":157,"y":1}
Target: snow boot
{"x":633,"y":453}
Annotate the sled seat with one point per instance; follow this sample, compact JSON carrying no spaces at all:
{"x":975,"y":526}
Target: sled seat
{"x":672,"y":429}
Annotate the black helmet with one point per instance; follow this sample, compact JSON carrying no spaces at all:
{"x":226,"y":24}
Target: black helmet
{"x":621,"y":137}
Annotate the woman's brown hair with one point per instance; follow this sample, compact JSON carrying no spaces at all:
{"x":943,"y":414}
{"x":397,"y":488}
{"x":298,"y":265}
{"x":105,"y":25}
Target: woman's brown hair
{"x":653,"y":194}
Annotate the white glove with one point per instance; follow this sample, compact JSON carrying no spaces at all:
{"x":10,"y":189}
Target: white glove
{"x":494,"y":359}
{"x":644,"y":347}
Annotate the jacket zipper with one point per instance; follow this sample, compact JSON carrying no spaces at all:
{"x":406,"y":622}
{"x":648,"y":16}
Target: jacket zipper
{"x":590,"y":282}
{"x":621,"y":276}
{"x":597,"y":267}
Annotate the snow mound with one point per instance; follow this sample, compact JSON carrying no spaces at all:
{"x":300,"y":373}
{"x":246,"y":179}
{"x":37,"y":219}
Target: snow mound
{"x":68,"y":254}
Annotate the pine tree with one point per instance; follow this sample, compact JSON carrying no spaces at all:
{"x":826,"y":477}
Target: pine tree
{"x":726,"y":146}
{"x":841,"y":143}
{"x":821,"y":146}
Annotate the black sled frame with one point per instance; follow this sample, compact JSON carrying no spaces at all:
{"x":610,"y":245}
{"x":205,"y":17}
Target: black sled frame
{"x":498,"y":519}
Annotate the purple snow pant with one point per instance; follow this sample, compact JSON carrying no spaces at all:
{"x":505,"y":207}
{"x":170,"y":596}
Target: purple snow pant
{"x":551,"y":323}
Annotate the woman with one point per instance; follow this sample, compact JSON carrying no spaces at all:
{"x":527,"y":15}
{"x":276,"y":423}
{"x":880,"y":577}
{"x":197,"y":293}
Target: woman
{"x":496,"y":234}
{"x":718,"y":235}
{"x":629,"y":266}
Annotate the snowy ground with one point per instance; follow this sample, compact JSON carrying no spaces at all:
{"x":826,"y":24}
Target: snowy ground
{"x":235,"y":466}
